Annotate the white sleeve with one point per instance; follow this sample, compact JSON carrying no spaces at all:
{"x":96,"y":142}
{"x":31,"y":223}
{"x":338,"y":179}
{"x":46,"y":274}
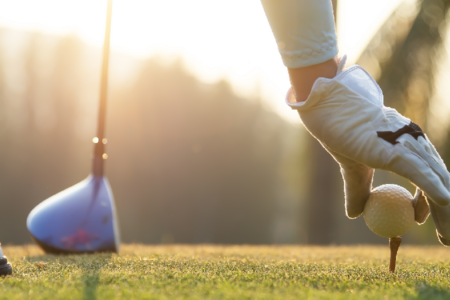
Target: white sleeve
{"x":304,"y":30}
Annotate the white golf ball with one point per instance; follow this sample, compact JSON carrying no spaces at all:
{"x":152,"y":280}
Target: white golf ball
{"x":389,"y":212}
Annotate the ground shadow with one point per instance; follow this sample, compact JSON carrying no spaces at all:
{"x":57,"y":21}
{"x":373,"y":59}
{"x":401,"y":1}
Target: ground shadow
{"x":427,"y":292}
{"x":90,"y":285}
{"x":91,"y":265}
{"x":91,"y":274}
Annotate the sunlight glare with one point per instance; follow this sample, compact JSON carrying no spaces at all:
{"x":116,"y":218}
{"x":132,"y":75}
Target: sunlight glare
{"x":216,"y":39}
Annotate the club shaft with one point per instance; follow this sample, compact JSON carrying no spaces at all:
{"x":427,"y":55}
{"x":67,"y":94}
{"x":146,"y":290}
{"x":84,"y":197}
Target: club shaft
{"x":99,"y":148}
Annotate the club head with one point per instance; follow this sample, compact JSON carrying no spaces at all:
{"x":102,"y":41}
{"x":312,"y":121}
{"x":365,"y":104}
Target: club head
{"x":80,"y":219}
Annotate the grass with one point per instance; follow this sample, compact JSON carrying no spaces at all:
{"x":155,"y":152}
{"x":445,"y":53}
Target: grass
{"x":230,"y":272}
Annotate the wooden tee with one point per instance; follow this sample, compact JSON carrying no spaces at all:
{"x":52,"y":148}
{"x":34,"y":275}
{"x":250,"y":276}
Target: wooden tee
{"x":394,"y":244}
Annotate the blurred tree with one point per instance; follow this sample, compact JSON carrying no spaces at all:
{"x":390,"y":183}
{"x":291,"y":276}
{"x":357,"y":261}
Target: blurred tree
{"x":38,"y":134}
{"x":405,"y":53}
{"x":200,"y":162}
{"x":189,"y":162}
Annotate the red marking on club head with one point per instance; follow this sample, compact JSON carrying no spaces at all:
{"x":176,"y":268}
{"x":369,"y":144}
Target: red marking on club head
{"x":82,"y":237}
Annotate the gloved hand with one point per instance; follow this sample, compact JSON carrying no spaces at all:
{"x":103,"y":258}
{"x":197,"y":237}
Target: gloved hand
{"x":346,"y":115}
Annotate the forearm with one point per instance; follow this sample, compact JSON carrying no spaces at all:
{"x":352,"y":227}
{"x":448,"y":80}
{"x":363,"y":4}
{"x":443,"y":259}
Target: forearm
{"x":306,"y":37}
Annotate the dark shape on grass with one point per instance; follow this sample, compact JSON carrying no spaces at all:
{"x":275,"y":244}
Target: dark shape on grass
{"x":5,"y":267}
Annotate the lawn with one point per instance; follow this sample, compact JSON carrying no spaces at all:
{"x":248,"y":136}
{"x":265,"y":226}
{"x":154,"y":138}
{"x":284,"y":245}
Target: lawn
{"x":230,"y":272}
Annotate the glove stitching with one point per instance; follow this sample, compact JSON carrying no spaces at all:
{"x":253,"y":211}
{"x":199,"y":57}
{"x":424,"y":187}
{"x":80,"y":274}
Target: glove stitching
{"x":425,"y":153}
{"x":337,"y":110}
{"x":439,"y":164}
{"x":414,"y":166}
{"x":373,"y":132}
{"x":435,"y":218}
{"x":420,"y":157}
{"x":323,"y":133}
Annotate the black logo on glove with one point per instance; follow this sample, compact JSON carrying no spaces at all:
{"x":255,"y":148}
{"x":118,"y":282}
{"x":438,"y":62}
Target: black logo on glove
{"x":391,"y":137}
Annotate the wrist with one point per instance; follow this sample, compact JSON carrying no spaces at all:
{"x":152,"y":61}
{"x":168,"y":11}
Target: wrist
{"x":302,"y":79}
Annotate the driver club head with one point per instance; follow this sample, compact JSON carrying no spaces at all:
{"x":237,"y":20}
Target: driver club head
{"x":80,"y":219}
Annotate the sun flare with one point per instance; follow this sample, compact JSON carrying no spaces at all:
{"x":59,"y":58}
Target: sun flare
{"x":216,"y":39}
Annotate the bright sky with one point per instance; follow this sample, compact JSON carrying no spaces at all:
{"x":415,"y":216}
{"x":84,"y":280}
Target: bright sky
{"x":217,"y":38}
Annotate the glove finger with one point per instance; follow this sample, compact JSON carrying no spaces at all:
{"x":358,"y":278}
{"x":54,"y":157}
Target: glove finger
{"x":421,"y":207}
{"x":443,"y":241}
{"x":410,"y":160}
{"x":441,"y":219}
{"x":357,"y":183}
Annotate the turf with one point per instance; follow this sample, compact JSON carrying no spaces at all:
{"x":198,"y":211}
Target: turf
{"x":229,"y":272}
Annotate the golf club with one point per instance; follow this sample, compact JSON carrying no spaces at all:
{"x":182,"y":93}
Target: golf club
{"x":82,"y":218}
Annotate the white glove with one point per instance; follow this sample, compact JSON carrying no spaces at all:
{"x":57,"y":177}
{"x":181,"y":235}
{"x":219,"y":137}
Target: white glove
{"x":347,"y":116}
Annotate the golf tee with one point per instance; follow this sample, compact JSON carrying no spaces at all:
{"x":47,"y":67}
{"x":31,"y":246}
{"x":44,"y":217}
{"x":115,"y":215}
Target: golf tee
{"x":394,"y":244}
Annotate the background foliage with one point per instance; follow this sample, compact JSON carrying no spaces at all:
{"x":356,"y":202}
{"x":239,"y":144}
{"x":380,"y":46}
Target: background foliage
{"x":189,"y":162}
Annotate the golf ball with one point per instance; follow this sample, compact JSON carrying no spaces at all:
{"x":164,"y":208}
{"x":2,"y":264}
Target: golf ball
{"x":389,"y":212}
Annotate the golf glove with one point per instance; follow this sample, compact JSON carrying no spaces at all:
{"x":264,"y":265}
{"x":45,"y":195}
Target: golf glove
{"x":347,"y":116}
